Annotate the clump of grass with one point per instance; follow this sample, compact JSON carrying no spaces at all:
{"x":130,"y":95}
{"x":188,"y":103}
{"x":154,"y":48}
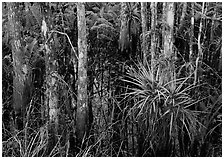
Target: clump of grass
{"x":164,"y":106}
{"x":20,"y":146}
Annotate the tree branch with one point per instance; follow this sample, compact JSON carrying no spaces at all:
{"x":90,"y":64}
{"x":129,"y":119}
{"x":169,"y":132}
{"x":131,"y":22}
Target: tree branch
{"x":55,"y":31}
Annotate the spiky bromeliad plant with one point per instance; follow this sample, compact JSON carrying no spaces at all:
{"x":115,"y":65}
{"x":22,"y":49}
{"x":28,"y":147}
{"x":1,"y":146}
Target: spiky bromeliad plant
{"x":164,"y":107}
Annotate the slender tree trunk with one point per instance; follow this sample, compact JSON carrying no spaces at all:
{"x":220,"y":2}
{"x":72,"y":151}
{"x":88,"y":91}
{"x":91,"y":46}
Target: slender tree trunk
{"x":213,"y":44}
{"x":168,"y":33}
{"x":163,"y":28}
{"x":200,"y":53}
{"x":82,"y":123}
{"x":168,"y":42}
{"x":212,"y":27}
{"x":203,"y":41}
{"x":21,"y":78}
{"x":51,"y":94}
{"x":144,"y":31}
{"x":191,"y":34}
{"x":124,"y":34}
{"x":153,"y":35}
{"x":168,"y":15}
{"x":182,"y":18}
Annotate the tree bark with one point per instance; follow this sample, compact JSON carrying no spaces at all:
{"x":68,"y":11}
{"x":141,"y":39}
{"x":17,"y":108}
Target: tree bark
{"x":124,"y":34}
{"x":168,"y":14}
{"x":21,"y":79}
{"x":183,"y":15}
{"x":212,"y":43}
{"x":82,"y":123}
{"x":200,"y":53}
{"x":144,"y":31}
{"x":191,"y":33}
{"x":168,"y":34}
{"x":153,"y":35}
{"x":51,"y":94}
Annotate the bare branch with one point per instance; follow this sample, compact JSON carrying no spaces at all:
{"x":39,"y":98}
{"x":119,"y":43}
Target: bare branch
{"x":55,"y":31}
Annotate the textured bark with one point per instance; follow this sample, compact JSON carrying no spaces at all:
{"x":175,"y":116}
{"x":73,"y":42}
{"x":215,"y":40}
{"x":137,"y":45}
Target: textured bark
{"x":163,"y":28}
{"x":200,"y":53}
{"x":168,"y":33}
{"x":82,"y":124}
{"x":153,"y":37}
{"x":21,"y":78}
{"x":51,"y":81}
{"x":191,"y":33}
{"x":51,"y":95}
{"x":183,"y":15}
{"x":168,"y":14}
{"x":213,"y":26}
{"x":144,"y":30}
{"x":169,"y":55}
{"x":124,"y":34}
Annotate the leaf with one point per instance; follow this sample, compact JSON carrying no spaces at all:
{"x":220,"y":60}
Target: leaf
{"x":44,"y":28}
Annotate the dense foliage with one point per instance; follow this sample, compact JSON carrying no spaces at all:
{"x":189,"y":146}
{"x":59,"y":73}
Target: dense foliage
{"x":164,"y":106}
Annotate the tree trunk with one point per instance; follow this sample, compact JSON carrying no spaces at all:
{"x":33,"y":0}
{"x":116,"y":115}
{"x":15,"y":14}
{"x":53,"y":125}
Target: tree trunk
{"x":168,"y":14}
{"x":124,"y":42}
{"x":200,"y":53}
{"x":144,"y":31}
{"x":191,"y":34}
{"x":153,"y":35}
{"x":168,"y":42}
{"x":168,"y":34}
{"x":82,"y":123}
{"x":51,"y":94}
{"x":183,"y":15}
{"x":166,"y":148}
{"x":21,"y":79}
{"x":213,"y":44}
